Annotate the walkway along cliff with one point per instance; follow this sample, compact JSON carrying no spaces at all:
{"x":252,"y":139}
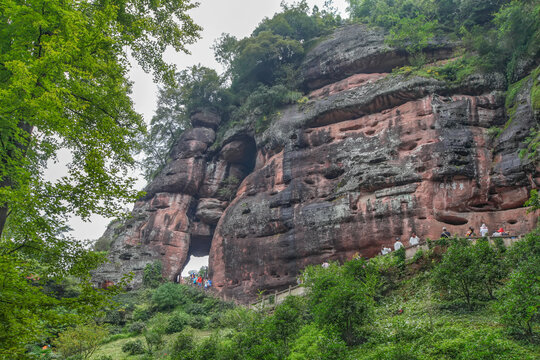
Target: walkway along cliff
{"x":369,"y":157}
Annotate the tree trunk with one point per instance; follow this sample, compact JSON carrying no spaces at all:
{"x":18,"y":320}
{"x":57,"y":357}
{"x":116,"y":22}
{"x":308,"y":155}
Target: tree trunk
{"x":4,"y":212}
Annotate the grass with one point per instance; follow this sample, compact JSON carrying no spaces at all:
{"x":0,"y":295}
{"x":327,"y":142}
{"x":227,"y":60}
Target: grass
{"x":114,"y":348}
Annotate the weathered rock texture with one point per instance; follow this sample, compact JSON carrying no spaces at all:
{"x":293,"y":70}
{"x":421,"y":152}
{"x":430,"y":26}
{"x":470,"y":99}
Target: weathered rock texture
{"x":370,"y":157}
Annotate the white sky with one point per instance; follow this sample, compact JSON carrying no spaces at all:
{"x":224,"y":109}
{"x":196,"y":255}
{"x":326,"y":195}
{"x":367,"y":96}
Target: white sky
{"x":236,"y":17}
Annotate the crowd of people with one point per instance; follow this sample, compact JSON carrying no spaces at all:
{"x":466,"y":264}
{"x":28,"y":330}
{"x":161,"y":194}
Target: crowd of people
{"x":199,"y":281}
{"x":415,"y":240}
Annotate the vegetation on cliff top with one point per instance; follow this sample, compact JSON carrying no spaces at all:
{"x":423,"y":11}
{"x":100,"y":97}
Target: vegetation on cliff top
{"x":262,"y":70}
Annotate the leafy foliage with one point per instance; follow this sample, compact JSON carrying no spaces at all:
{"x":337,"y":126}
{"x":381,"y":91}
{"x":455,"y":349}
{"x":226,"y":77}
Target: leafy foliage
{"x":81,"y":340}
{"x":314,"y":343}
{"x":519,"y":304}
{"x":198,"y":87}
{"x":341,"y":298}
{"x":469,"y":272}
{"x":167,"y":296}
{"x":152,"y":276}
{"x":133,"y":347}
{"x":63,"y":85}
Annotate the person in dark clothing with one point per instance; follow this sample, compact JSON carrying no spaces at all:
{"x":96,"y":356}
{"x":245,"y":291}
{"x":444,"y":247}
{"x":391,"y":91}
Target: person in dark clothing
{"x":445,"y":234}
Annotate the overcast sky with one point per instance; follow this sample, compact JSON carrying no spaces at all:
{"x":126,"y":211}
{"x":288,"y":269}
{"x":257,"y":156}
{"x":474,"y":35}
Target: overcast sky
{"x":236,"y":17}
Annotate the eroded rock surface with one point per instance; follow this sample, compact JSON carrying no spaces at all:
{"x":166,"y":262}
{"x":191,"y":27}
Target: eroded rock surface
{"x":371,"y":156}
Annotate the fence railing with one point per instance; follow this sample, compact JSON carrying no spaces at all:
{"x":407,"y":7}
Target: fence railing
{"x":271,"y":300}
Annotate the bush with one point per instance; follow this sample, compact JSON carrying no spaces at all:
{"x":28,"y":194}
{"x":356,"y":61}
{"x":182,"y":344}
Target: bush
{"x":142,"y":312}
{"x":183,"y":345}
{"x":197,"y":322}
{"x":137,"y":327}
{"x":341,"y":297}
{"x":80,"y":341}
{"x":195,"y":309}
{"x":168,"y":296}
{"x":154,"y":340}
{"x":176,"y":323}
{"x":314,"y":343}
{"x":133,"y":347}
{"x":152,"y":275}
{"x":288,"y":317}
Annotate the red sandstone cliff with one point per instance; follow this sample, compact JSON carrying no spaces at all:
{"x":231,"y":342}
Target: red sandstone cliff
{"x":370,"y":157}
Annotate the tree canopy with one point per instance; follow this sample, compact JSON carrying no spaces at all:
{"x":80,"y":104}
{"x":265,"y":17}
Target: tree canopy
{"x":63,"y":85}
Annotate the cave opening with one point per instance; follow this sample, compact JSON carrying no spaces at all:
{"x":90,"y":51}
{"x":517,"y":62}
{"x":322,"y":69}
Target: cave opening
{"x":199,"y":250}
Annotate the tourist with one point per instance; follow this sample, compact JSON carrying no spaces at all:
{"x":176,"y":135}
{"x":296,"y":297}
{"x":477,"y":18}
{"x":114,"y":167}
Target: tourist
{"x":386,"y":250}
{"x":325,"y":265}
{"x":470,"y":233}
{"x":398,"y":244}
{"x":199,"y":281}
{"x":483,"y":230}
{"x":414,"y":240}
{"x":445,"y":234}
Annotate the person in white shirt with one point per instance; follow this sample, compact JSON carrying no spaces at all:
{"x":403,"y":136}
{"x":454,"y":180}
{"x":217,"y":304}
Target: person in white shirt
{"x":414,"y":239}
{"x":398,"y":244}
{"x":483,"y":230}
{"x":386,"y":250}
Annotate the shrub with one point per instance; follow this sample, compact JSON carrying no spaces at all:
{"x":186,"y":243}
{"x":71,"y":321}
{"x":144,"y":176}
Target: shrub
{"x":341,"y":297}
{"x":183,"y":345}
{"x":197,"y":322}
{"x":133,"y":347}
{"x":152,"y":275}
{"x":176,"y":323}
{"x":195,"y":309}
{"x":142,"y":312}
{"x":239,"y":318}
{"x":154,"y":340}
{"x":167,"y":296}
{"x":80,"y":341}
{"x":137,"y":327}
{"x":288,"y":317}
{"x":314,"y":343}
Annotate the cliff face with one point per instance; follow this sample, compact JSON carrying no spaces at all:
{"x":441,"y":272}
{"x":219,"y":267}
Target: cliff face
{"x":370,"y":157}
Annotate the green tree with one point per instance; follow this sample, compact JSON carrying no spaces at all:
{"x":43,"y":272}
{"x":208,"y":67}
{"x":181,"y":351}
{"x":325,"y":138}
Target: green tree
{"x":457,"y":274}
{"x":490,"y":265}
{"x":63,"y":85}
{"x":168,"y":296}
{"x":81,"y":340}
{"x":340,"y":298}
{"x":412,"y":33}
{"x":519,"y":299}
{"x":197,"y":87}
